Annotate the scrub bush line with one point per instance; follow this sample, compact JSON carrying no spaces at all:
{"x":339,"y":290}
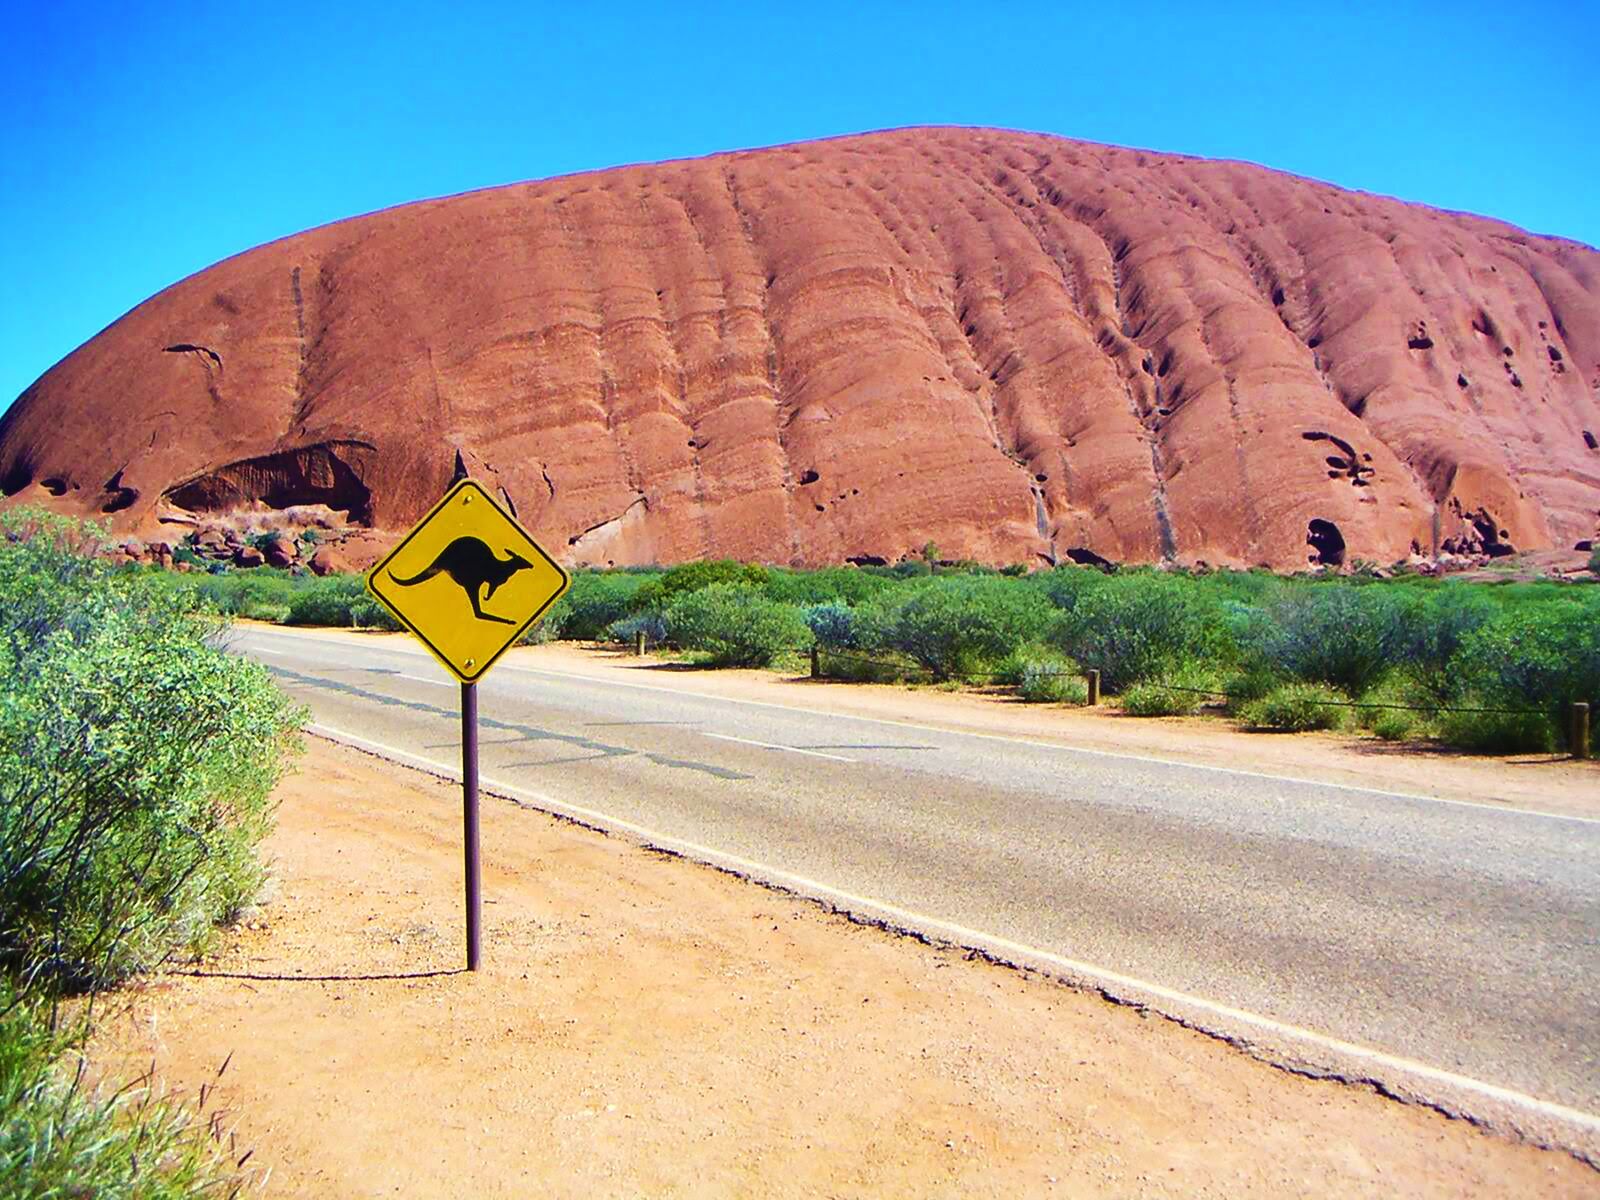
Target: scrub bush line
{"x":1435,"y":648}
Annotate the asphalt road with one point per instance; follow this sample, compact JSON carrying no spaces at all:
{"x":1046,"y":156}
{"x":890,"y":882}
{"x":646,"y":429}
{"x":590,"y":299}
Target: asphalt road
{"x":1447,"y":950}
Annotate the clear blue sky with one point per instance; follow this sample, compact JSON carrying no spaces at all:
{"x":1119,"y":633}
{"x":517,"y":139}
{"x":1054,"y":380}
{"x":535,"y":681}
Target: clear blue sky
{"x":141,"y":142}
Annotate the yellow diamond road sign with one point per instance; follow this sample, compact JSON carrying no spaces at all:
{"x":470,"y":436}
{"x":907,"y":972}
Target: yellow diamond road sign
{"x":468,"y":580}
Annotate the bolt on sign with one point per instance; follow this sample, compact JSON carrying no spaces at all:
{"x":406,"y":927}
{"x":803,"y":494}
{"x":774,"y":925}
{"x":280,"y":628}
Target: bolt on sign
{"x":468,"y":581}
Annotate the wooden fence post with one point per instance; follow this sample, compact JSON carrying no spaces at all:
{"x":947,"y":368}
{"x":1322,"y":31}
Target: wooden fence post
{"x":1580,"y":730}
{"x":816,"y":662}
{"x":638,"y":643}
{"x":1094,"y":687}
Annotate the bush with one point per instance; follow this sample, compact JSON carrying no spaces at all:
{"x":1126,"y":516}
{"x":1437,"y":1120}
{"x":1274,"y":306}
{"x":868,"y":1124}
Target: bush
{"x":627,"y":630}
{"x":1065,"y":586}
{"x":1297,"y":707}
{"x":1433,"y":631}
{"x":1498,"y":732}
{"x":1594,"y":561}
{"x":1249,"y":685}
{"x":328,"y":601}
{"x":832,"y":624}
{"x":593,"y":603}
{"x":659,"y":593}
{"x":136,"y":761}
{"x":1540,"y":657}
{"x":852,"y":667}
{"x":367,"y":613}
{"x":1395,"y":724}
{"x":735,"y":626}
{"x":1009,"y":670}
{"x":259,"y":595}
{"x":848,"y":585}
{"x":1052,"y":683}
{"x":58,"y":1137}
{"x":961,"y":624}
{"x":1332,"y":633}
{"x":1137,"y":627}
{"x":1152,"y":699}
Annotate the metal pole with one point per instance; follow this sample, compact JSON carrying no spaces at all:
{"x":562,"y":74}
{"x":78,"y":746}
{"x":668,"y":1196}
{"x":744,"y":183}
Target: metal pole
{"x":469,"y":818}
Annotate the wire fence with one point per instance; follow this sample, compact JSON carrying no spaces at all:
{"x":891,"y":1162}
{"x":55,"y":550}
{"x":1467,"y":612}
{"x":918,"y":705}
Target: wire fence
{"x":1577,"y":713}
{"x":903,"y":664}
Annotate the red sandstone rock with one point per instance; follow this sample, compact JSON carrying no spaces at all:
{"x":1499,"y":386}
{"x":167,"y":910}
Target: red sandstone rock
{"x":328,"y":561}
{"x":1018,"y":347}
{"x":248,"y":556}
{"x":281,"y":552}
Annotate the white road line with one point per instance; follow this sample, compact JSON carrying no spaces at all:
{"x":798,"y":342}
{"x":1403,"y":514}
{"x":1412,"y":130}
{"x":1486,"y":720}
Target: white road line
{"x":961,"y":934}
{"x":727,"y":737}
{"x":1001,"y":737}
{"x":422,"y":679}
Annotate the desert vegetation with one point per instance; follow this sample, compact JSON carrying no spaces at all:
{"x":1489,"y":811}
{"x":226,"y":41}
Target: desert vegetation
{"x":1489,"y":667}
{"x":136,"y":764}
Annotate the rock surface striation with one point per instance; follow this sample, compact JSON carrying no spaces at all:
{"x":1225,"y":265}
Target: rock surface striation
{"x":1018,"y":347}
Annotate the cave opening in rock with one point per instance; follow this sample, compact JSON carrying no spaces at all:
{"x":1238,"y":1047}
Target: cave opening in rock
{"x":1086,"y":557}
{"x":1326,"y":542}
{"x":309,"y":476}
{"x":117,"y":495}
{"x":17,"y":477}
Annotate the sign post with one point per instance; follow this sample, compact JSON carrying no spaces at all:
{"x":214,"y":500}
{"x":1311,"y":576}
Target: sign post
{"x":469,"y":821}
{"x":468,"y":581}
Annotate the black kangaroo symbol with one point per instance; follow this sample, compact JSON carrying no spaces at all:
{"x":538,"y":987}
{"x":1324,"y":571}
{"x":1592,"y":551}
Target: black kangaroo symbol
{"x":471,"y":564}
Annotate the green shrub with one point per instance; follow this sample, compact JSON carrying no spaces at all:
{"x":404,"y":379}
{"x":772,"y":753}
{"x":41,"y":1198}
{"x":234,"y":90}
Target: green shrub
{"x":136,"y":761}
{"x":1052,"y":683}
{"x":1247,"y":685}
{"x":1137,"y":627}
{"x":846,"y":585}
{"x":1594,"y":561}
{"x":735,"y":625}
{"x":833,"y":624}
{"x":1498,"y":732}
{"x":594,"y":602}
{"x":627,"y":630}
{"x":1066,"y":585}
{"x":1334,"y":633}
{"x":961,"y":624}
{"x":857,"y":667}
{"x":1534,"y":656}
{"x":659,"y":593}
{"x":60,"y":1137}
{"x":1154,"y":699}
{"x":367,"y":613}
{"x":259,"y":595}
{"x":1395,"y":724}
{"x":1009,"y":670}
{"x":328,"y":601}
{"x":1434,"y":628}
{"x":1297,"y":707}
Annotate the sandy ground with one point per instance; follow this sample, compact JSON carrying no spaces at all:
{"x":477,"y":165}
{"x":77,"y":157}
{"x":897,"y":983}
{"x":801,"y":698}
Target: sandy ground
{"x":646,"y":1026}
